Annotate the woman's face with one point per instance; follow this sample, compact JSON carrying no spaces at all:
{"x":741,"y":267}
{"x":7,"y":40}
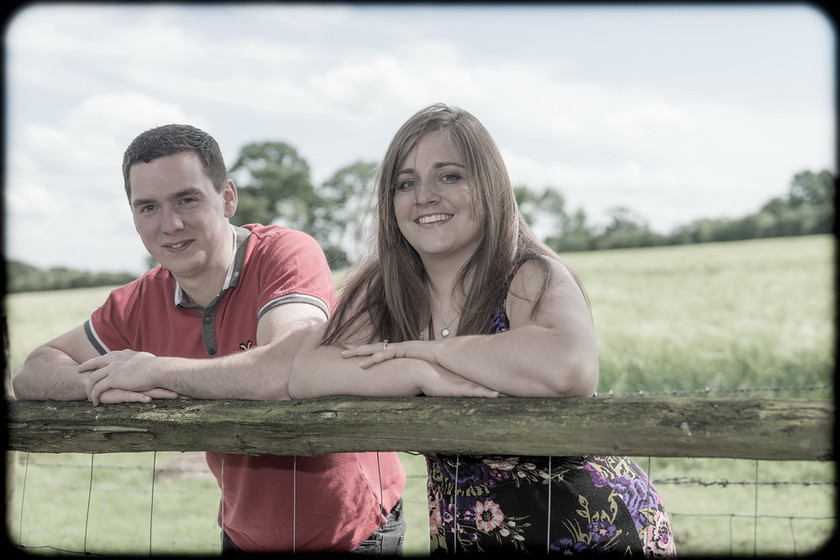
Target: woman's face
{"x":432,"y":200}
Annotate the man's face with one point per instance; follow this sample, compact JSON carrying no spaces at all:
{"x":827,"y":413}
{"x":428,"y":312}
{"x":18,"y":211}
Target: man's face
{"x":181,"y":218}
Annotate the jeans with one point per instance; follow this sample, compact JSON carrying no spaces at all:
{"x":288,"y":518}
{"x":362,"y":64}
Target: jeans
{"x":387,"y":540}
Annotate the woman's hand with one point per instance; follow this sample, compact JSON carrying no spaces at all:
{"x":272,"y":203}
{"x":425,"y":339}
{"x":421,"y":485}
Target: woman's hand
{"x":432,"y":380}
{"x":379,"y":352}
{"x":439,"y":382}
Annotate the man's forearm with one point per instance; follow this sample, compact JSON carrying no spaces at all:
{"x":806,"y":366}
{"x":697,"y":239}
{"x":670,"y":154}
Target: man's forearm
{"x":49,"y":374}
{"x":261,"y":373}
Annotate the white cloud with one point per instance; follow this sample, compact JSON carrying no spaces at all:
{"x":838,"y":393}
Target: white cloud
{"x":674,"y":116}
{"x":64,"y":186}
{"x":651,"y":119}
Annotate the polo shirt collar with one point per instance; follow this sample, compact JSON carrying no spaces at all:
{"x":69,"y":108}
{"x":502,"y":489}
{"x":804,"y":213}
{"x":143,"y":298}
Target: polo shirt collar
{"x":237,"y":260}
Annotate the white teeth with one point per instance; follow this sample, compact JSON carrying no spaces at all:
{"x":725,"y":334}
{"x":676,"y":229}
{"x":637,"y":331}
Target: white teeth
{"x":176,"y":246}
{"x":433,"y":218}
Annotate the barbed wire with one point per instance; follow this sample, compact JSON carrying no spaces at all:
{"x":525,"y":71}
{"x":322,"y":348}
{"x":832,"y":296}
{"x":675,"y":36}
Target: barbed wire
{"x":200,"y":469}
{"x":709,"y":391}
{"x":56,"y":549}
{"x":677,"y":480}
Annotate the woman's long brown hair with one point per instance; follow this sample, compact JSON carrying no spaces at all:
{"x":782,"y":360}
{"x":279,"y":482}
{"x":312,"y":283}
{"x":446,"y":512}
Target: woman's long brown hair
{"x":386,"y":297}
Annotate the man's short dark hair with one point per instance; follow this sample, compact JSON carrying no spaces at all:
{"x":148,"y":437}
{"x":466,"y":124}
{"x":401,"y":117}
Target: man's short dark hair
{"x":174,"y":139}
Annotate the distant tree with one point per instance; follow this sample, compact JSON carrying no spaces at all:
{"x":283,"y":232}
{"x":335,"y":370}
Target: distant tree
{"x":342,"y":213}
{"x":22,"y":277}
{"x":547,"y":215}
{"x":807,"y":209}
{"x":775,"y":206}
{"x":526,"y":200}
{"x":702,"y":230}
{"x":576,"y":235}
{"x":812,"y":189}
{"x":545,"y":211}
{"x":627,"y":228}
{"x":815,"y":194}
{"x":274,"y":186}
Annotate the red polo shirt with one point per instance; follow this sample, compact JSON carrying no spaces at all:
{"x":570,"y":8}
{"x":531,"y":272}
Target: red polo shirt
{"x":269,"y":503}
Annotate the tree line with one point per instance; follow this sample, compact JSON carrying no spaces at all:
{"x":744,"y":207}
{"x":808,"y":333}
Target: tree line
{"x":22,"y":277}
{"x":275,"y":186}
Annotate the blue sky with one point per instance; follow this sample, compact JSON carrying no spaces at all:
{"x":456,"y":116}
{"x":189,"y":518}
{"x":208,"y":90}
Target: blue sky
{"x":676,"y":111}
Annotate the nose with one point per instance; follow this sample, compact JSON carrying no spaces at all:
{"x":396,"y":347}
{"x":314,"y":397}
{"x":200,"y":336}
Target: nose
{"x":426,"y":193}
{"x":171,"y":220}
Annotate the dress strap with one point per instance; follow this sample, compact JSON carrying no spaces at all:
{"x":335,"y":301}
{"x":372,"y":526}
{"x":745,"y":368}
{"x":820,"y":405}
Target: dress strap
{"x":500,"y":320}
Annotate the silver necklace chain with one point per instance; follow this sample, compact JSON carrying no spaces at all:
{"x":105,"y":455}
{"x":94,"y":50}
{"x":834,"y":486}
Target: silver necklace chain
{"x":444,"y":332}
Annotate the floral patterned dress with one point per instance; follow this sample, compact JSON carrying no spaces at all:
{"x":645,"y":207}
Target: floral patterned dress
{"x":544,"y":505}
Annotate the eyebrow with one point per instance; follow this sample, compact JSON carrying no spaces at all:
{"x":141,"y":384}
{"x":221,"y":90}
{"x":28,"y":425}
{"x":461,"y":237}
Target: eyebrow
{"x":437,"y":165}
{"x":174,"y":196}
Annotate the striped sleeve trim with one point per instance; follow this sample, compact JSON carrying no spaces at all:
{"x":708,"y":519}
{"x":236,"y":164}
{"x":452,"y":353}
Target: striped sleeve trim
{"x":94,"y":338}
{"x":294,"y":298}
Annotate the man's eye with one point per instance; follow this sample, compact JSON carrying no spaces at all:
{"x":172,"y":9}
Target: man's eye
{"x":146,"y":209}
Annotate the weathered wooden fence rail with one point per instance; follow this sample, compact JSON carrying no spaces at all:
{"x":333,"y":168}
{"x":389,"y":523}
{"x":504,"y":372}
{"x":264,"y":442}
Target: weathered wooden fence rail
{"x":749,"y":428}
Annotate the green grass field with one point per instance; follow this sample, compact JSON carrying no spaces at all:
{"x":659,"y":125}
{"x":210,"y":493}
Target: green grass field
{"x":723,"y":317}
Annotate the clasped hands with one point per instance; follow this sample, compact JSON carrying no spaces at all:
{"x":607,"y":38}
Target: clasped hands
{"x":379,"y":352}
{"x":435,"y":380}
{"x":123,"y":376}
{"x":128,"y":376}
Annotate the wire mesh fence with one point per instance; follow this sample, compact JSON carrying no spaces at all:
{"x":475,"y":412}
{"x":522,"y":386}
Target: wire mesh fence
{"x":159,"y":503}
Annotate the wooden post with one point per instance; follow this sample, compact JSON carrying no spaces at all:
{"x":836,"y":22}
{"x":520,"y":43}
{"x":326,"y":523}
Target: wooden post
{"x":749,"y":428}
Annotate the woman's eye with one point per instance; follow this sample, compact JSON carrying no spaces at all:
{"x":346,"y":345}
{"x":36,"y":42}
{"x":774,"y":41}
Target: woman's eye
{"x":405,"y":185}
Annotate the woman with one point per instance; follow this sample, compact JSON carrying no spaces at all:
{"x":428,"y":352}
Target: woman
{"x":458,"y":292}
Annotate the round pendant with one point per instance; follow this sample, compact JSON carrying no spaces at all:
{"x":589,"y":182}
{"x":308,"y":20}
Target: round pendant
{"x":444,"y":332}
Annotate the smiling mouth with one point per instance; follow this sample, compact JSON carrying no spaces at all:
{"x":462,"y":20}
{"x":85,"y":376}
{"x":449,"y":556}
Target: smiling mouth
{"x":434,"y":218}
{"x":176,"y":246}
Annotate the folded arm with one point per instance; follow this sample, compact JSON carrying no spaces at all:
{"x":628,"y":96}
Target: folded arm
{"x":50,"y":372}
{"x":552,"y":354}
{"x":322,"y":370}
{"x":260,"y":373}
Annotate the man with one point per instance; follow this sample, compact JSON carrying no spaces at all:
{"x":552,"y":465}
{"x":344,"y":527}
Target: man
{"x":221,"y":317}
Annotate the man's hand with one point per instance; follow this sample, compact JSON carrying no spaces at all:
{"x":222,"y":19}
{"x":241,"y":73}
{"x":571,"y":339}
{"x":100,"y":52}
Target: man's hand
{"x":114,"y":396}
{"x":123,"y":376}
